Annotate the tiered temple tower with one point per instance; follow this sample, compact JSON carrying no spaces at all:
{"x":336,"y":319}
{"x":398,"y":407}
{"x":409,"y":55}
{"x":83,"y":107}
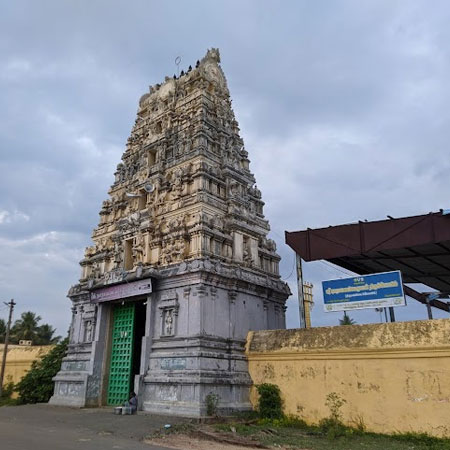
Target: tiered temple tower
{"x":181,"y":267}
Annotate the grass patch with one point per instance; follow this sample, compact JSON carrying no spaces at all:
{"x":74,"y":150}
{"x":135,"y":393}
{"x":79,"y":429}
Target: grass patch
{"x":8,"y":402}
{"x":270,"y":427}
{"x":181,"y":428}
{"x":7,"y":392}
{"x":424,"y":440}
{"x":292,"y":432}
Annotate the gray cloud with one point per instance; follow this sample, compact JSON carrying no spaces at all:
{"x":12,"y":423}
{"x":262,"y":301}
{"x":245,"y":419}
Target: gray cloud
{"x":342,"y":105}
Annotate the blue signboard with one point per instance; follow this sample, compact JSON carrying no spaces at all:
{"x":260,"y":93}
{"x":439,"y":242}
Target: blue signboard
{"x":378,"y":290}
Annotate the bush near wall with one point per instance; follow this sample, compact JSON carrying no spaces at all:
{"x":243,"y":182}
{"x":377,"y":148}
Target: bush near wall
{"x":37,"y":385}
{"x":270,"y":405}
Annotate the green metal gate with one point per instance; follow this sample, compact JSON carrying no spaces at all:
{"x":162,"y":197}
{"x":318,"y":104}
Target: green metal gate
{"x":121,"y":354}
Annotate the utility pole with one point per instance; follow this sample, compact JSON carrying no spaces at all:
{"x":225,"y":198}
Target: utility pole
{"x":11,"y":305}
{"x":301,"y":293}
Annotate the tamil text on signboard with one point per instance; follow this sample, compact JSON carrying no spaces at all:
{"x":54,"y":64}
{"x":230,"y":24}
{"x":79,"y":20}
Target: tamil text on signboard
{"x":378,"y":290}
{"x":122,"y":291}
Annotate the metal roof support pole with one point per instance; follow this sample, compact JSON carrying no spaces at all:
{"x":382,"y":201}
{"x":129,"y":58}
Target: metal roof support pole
{"x":430,"y":312}
{"x":391,"y":313}
{"x":301,"y":294}
{"x":429,"y":297}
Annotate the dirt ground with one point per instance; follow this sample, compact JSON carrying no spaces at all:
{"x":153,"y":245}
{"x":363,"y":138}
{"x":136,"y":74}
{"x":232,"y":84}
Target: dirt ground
{"x":184,"y":442}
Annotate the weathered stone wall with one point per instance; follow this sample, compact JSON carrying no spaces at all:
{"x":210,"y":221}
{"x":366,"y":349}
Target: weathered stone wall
{"x":393,"y":376}
{"x":19,"y":359}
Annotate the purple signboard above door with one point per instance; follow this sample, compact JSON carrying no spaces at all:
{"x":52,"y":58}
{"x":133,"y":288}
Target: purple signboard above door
{"x":122,"y":291}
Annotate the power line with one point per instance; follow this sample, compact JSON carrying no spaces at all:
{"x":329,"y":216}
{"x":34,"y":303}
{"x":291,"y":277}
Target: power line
{"x":293,"y":264}
{"x":326,"y":264}
{"x":339,"y":269}
{"x":292,"y":271}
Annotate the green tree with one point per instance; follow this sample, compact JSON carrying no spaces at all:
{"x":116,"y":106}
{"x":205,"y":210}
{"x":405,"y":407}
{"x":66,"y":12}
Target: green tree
{"x":346,"y":320}
{"x":2,"y":331}
{"x":37,"y":385}
{"x":26,"y":327}
{"x":44,"y":335}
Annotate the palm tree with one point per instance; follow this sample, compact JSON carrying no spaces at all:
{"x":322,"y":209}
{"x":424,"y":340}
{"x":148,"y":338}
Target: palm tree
{"x":45,"y":335}
{"x":26,"y":327}
{"x":346,"y":320}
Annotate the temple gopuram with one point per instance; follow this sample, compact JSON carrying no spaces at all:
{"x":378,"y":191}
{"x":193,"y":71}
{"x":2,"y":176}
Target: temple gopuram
{"x":181,"y":267}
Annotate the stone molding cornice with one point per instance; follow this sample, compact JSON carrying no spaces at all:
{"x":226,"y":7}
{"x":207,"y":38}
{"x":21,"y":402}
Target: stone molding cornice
{"x":391,"y":353}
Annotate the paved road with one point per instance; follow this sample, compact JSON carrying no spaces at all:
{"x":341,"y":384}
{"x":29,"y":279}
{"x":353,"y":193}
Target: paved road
{"x":44,"y":427}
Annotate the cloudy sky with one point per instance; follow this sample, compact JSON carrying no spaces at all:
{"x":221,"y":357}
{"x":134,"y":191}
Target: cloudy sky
{"x":343,"y":106}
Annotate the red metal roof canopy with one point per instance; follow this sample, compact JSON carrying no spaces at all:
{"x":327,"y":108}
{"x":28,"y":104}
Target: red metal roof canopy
{"x":418,"y":246}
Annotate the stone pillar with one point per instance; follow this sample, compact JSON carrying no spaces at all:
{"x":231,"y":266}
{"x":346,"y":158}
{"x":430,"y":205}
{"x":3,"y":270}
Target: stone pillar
{"x":254,"y":251}
{"x":97,"y":382}
{"x":238,"y":246}
{"x":146,"y":345}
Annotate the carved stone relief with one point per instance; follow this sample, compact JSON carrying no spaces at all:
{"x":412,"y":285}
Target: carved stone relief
{"x":168,"y":308}
{"x":181,"y":153}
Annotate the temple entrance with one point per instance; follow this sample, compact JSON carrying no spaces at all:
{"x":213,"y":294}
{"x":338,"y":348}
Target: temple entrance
{"x":127,"y":332}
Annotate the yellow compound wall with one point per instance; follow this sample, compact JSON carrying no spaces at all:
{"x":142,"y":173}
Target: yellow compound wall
{"x":395,"y":377}
{"x":19,"y":359}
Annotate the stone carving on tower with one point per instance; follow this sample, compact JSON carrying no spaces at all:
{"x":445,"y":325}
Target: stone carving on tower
{"x":183,"y":190}
{"x":184,"y":211}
